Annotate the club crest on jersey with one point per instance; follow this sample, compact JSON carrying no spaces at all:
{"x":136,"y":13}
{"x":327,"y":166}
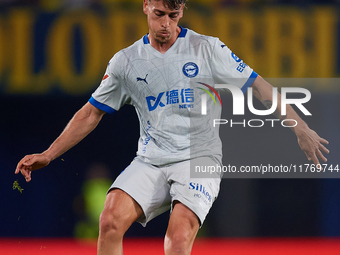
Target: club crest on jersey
{"x":190,"y":70}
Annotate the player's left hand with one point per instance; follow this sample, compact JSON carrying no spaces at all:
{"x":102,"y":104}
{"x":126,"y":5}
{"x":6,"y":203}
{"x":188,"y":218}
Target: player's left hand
{"x":312,"y":145}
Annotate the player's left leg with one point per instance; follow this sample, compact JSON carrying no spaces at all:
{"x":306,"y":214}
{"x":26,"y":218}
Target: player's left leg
{"x":182,"y":230}
{"x":192,"y":199}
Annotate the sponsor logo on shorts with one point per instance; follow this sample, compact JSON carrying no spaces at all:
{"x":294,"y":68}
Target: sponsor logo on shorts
{"x":201,"y":189}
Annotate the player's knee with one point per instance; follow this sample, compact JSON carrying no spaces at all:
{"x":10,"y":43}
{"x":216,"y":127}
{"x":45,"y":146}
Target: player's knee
{"x":179,"y":242}
{"x":109,"y":223}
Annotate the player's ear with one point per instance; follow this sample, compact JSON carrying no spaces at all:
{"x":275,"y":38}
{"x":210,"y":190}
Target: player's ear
{"x":146,"y":6}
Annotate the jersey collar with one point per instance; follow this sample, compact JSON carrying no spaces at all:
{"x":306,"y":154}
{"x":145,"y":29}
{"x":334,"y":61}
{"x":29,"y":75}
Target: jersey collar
{"x":182,"y":34}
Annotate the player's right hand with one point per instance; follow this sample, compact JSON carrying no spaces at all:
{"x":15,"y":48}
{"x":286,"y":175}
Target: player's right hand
{"x":30,"y":163}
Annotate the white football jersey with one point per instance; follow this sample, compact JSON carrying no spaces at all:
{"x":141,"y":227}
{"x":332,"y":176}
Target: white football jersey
{"x":166,"y":91}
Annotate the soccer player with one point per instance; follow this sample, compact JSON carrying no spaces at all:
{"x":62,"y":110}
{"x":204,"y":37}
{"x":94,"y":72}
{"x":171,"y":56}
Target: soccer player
{"x":155,"y":75}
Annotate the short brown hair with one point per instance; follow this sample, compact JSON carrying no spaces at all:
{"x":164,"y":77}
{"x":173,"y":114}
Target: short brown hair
{"x":173,"y":4}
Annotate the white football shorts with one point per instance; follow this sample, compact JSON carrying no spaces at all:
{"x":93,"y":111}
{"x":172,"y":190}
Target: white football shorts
{"x":155,"y":188}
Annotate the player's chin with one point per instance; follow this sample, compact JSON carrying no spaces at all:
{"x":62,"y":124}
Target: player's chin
{"x":163,"y":39}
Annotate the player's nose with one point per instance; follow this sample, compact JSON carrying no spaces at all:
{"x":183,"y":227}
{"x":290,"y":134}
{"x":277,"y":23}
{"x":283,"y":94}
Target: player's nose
{"x":165,"y":21}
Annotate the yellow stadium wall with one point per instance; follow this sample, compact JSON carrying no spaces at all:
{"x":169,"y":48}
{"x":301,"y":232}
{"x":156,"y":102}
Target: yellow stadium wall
{"x":276,"y":41}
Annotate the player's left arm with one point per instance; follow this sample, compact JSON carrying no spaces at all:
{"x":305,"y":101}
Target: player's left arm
{"x":309,"y":141}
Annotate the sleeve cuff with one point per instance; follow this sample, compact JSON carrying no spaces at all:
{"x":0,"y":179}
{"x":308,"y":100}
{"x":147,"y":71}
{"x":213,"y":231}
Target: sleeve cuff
{"x":101,"y":106}
{"x":249,"y":82}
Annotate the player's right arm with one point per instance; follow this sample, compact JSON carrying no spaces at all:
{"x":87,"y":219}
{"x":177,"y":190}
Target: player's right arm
{"x":82,"y":123}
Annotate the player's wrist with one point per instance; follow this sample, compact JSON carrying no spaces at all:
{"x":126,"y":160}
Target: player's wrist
{"x":300,"y":128}
{"x":49,"y":156}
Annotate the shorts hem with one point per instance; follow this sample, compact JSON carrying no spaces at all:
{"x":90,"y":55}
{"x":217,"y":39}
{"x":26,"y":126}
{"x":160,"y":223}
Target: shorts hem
{"x":200,"y":217}
{"x":142,"y":219}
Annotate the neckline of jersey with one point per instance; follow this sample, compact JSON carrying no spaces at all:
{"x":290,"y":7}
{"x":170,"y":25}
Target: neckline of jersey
{"x":181,"y":34}
{"x":146,"y":41}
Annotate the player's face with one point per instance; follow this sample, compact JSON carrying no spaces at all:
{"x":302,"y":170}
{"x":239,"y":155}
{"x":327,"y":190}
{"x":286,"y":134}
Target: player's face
{"x":162,"y":21}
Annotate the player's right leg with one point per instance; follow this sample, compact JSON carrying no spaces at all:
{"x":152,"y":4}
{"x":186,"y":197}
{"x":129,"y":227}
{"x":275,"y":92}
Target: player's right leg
{"x":120,"y":211}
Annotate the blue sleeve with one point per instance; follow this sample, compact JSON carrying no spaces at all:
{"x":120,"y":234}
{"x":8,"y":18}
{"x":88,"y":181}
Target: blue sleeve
{"x":101,"y":106}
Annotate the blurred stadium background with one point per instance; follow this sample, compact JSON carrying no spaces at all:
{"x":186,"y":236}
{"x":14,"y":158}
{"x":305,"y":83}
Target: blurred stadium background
{"x":53,"y":55}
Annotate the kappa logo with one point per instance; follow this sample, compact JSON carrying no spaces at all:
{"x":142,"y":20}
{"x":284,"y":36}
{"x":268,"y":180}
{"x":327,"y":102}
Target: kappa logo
{"x":141,"y":79}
